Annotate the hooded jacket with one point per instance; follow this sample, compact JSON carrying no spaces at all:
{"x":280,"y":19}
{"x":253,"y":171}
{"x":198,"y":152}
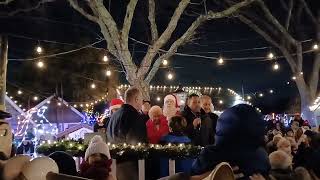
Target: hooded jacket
{"x":239,"y":141}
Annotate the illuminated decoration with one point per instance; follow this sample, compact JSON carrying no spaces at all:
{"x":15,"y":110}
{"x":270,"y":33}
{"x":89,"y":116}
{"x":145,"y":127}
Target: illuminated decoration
{"x":270,"y":55}
{"x":108,"y":73}
{"x":39,"y":50}
{"x":19,"y":92}
{"x":294,"y":78}
{"x":271,"y":91}
{"x":165,"y":62}
{"x":301,"y":73}
{"x":315,"y":47}
{"x":288,"y":82}
{"x":40,"y":64}
{"x":220,"y":102}
{"x":276,"y":66}
{"x":249,"y":97}
{"x":93,"y":86}
{"x":285,"y":118}
{"x":35,"y":98}
{"x":105,"y":58}
{"x":220,"y":61}
{"x":158,"y":99}
{"x":260,"y":95}
{"x":170,"y":76}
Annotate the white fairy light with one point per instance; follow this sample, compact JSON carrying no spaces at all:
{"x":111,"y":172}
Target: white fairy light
{"x":249,"y":97}
{"x":220,"y":102}
{"x":170,"y":76}
{"x":260,"y":95}
{"x":158,"y":98}
{"x":270,"y":55}
{"x":271,"y":91}
{"x":39,"y":50}
{"x":165,"y":62}
{"x":220,"y":61}
{"x":294,"y":78}
{"x":40,"y":64}
{"x":105,"y":58}
{"x":315,"y":47}
{"x":19,"y":92}
{"x":35,"y":98}
{"x":108,"y":73}
{"x":93,"y":86}
{"x":276,"y":66}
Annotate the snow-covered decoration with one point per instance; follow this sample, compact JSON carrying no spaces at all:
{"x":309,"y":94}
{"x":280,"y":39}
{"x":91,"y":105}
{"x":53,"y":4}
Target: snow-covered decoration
{"x":76,"y":132}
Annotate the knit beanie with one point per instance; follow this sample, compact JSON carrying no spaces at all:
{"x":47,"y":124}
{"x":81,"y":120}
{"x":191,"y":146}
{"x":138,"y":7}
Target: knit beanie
{"x":97,"y":145}
{"x":115,"y":103}
{"x":65,"y":162}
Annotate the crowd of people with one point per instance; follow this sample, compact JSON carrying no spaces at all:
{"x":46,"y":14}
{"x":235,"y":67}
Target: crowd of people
{"x":256,"y":149}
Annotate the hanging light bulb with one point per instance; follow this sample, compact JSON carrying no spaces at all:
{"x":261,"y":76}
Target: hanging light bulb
{"x":108,"y":73}
{"x":276,"y":66}
{"x":165,"y":62}
{"x":270,"y":55}
{"x":158,"y":98}
{"x":170,"y":76}
{"x":39,"y":50}
{"x":294,"y":78}
{"x":271,"y":91}
{"x":220,"y":61}
{"x":260,"y":95}
{"x":19,"y":92}
{"x":35,"y":98}
{"x":59,"y":104}
{"x":105,"y":58}
{"x":249,"y":97}
{"x":315,"y":47}
{"x":220,"y":102}
{"x":93,"y":86}
{"x":40,"y":64}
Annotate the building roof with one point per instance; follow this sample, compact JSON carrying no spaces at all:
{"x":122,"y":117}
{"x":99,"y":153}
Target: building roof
{"x":73,"y":129}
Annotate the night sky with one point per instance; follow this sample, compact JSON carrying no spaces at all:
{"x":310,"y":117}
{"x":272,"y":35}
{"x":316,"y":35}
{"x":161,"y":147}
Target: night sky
{"x":58,"y":22}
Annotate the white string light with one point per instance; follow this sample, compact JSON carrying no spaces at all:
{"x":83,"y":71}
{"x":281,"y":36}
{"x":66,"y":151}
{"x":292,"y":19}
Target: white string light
{"x":158,"y":98}
{"x":93,"y":86}
{"x":35,"y":98}
{"x":19,"y":92}
{"x":220,"y":102}
{"x":271,"y":91}
{"x":170,"y":76}
{"x":220,"y":61}
{"x":108,"y":73}
{"x":105,"y":58}
{"x":276,"y":66}
{"x":260,"y":95}
{"x":165,"y":62}
{"x":270,"y":55}
{"x":249,"y":97}
{"x":315,"y":47}
{"x":39,"y":50}
{"x":294,"y":78}
{"x":40,"y":64}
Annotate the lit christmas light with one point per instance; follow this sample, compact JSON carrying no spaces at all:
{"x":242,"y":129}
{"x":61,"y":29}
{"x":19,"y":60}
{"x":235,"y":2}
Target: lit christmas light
{"x":271,"y":55}
{"x":59,"y":104}
{"x":315,"y":47}
{"x":48,"y":102}
{"x":105,"y":58}
{"x":170,"y":76}
{"x":158,"y":98}
{"x":271,"y":91}
{"x":35,"y":98}
{"x":40,"y":64}
{"x":301,"y":73}
{"x":93,"y":86}
{"x":220,"y":61}
{"x":75,"y":106}
{"x":260,"y":95}
{"x":108,"y":73}
{"x":276,"y":66}
{"x":165,"y":62}
{"x":220,"y":102}
{"x":19,"y":92}
{"x":294,"y":78}
{"x":39,"y":50}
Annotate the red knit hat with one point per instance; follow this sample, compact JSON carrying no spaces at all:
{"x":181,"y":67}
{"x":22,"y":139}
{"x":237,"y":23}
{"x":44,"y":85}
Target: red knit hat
{"x":115,"y":103}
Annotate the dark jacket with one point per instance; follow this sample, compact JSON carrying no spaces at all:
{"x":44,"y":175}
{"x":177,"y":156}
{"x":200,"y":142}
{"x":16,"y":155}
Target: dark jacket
{"x":239,"y":140}
{"x":126,"y":125}
{"x":281,"y":174}
{"x":204,"y":134}
{"x":175,"y":138}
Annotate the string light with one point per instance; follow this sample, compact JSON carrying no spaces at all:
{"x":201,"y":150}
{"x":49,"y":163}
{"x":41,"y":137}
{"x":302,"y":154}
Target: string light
{"x":270,"y":55}
{"x":294,"y":78}
{"x":59,"y":103}
{"x":105,"y":58}
{"x":315,"y":47}
{"x":220,"y":61}
{"x":271,"y":91}
{"x":39,"y":50}
{"x":276,"y":66}
{"x":19,"y":92}
{"x":93,"y":86}
{"x":301,"y":73}
{"x":165,"y":62}
{"x":158,"y":98}
{"x":75,"y":106}
{"x":48,"y":102}
{"x":170,"y":76}
{"x":108,"y":73}
{"x":40,"y":64}
{"x":220,"y":102}
{"x":249,"y":97}
{"x":35,"y":98}
{"x":260,"y":95}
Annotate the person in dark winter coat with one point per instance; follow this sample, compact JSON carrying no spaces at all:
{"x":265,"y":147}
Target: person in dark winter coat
{"x":207,"y":106}
{"x":126,"y":125}
{"x":65,"y":162}
{"x":199,"y":125}
{"x":281,"y":166}
{"x":239,"y":141}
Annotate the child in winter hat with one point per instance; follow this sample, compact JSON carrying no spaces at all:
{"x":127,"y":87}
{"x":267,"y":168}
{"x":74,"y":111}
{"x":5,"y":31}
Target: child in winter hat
{"x":97,"y":163}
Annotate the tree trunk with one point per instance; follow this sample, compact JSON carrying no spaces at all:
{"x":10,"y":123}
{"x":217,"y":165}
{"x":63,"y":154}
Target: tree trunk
{"x":143,"y":87}
{"x":307,"y":99}
{"x":3,"y":70}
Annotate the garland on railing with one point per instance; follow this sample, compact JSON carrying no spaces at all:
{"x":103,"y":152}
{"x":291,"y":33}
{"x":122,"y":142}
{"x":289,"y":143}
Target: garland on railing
{"x":125,"y":151}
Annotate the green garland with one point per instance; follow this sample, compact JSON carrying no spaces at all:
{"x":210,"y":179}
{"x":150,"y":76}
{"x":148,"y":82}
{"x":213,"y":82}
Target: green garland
{"x":125,"y":151}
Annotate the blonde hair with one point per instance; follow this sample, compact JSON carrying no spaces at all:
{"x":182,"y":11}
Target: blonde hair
{"x":280,"y":160}
{"x":155,"y":110}
{"x":131,"y":93}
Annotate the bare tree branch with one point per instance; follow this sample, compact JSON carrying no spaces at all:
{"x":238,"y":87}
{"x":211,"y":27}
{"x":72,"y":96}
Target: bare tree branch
{"x":152,"y":20}
{"x":299,"y":56}
{"x":268,"y":38}
{"x":75,"y":5}
{"x":274,"y":20}
{"x":128,"y":20}
{"x":5,"y":2}
{"x":190,"y":32}
{"x":289,"y":14}
{"x":24,"y":10}
{"x":309,"y":12}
